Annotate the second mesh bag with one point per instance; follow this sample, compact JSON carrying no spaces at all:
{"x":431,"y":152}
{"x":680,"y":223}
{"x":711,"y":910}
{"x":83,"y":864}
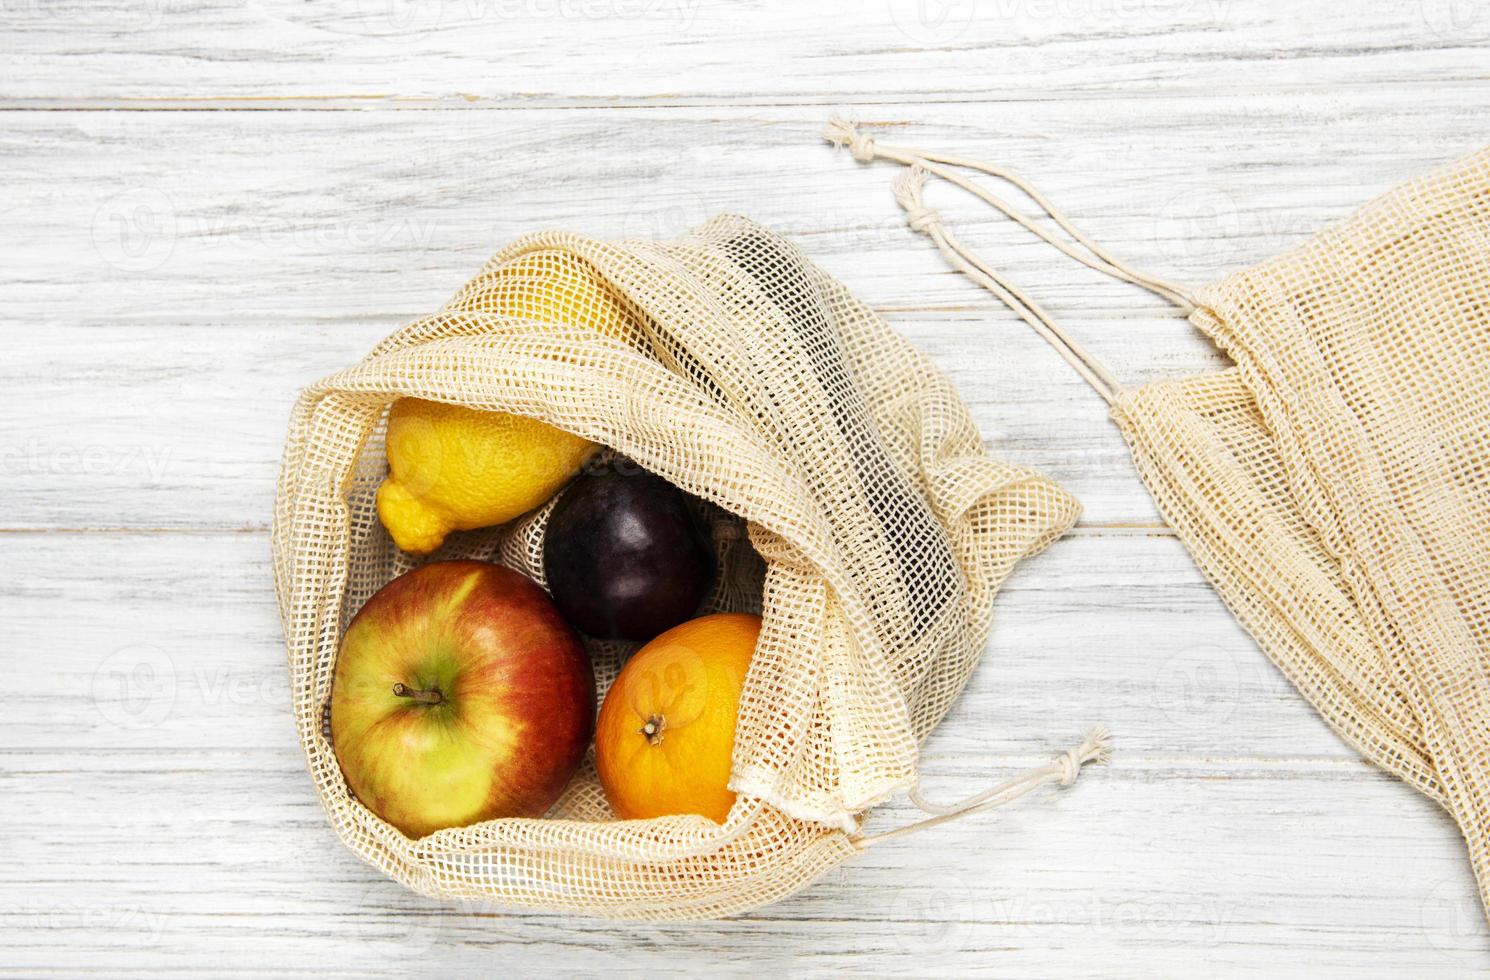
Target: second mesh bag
{"x":1334,"y":484}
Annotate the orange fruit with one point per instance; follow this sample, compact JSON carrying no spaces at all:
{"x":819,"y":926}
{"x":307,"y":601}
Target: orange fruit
{"x":666,"y":732}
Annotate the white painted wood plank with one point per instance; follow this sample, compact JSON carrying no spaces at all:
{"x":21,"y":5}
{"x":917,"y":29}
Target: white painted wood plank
{"x":156,"y":393}
{"x":219,"y":860}
{"x":171,"y":216}
{"x":149,"y":762}
{"x":183,"y":425}
{"x":671,"y":52}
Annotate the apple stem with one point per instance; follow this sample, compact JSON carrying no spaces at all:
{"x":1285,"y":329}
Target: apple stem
{"x":431,"y":696}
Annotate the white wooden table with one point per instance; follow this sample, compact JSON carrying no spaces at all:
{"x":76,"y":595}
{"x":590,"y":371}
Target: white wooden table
{"x":209,"y":203}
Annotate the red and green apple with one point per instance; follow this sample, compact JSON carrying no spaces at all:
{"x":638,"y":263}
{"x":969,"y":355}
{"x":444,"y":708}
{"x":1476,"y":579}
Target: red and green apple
{"x":460,"y":695}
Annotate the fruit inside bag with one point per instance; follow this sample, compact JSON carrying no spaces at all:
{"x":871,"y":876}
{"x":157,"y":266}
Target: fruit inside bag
{"x":848,"y":499}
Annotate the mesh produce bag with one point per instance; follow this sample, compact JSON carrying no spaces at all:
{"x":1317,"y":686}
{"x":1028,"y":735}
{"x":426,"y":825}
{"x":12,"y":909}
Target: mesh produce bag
{"x":1334,"y":485}
{"x":851,"y":503}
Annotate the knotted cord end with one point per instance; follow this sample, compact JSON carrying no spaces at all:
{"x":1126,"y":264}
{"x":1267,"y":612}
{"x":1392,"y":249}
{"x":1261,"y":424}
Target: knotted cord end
{"x":908,"y":192}
{"x":1095,"y":748}
{"x":841,"y":132}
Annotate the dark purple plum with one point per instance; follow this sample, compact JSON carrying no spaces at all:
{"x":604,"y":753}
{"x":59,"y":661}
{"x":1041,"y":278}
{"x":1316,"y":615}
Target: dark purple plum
{"x":624,"y":556}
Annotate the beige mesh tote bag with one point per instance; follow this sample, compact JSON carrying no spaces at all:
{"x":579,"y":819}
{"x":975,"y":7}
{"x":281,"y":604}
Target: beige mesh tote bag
{"x":851,"y":501}
{"x":1334,"y":485}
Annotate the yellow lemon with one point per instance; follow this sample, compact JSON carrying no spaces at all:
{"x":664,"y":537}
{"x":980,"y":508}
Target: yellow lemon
{"x":552,"y":286}
{"x":456,"y":469}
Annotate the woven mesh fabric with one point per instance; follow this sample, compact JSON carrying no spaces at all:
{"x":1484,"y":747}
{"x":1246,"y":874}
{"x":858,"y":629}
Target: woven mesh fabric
{"x":1335,"y":484}
{"x":880,"y":533}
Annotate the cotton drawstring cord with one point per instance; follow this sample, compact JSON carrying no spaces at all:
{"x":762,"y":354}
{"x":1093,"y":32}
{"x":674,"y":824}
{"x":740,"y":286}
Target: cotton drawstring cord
{"x":908,"y":188}
{"x":1062,"y":772}
{"x":865,"y":149}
